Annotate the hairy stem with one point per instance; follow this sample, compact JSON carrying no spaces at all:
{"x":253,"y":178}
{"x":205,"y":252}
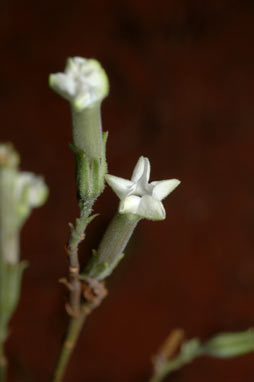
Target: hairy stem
{"x":76,"y":236}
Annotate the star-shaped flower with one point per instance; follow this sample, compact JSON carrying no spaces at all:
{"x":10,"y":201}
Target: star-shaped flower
{"x":139,"y":197}
{"x":83,"y":82}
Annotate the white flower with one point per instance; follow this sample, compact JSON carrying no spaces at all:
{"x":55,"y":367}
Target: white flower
{"x":83,"y":82}
{"x":30,"y":192}
{"x":32,"y":187}
{"x":139,"y":197}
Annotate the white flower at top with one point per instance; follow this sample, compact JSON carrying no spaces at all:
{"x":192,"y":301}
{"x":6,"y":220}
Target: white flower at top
{"x":139,"y":197}
{"x":83,"y":82}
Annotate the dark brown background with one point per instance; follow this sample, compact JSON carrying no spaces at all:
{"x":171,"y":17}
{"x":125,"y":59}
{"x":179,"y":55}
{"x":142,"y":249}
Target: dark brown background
{"x":181,"y":75}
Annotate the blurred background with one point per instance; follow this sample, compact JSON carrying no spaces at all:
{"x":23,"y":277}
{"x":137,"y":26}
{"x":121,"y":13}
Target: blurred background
{"x":181,"y":76}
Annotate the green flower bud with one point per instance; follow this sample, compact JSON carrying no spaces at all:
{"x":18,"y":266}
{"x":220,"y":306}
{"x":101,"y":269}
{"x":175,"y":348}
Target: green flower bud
{"x":227,"y":345}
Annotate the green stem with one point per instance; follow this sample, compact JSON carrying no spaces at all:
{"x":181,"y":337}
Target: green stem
{"x":158,"y":377}
{"x":89,"y":149}
{"x":111,"y":246}
{"x":3,"y":364}
{"x":71,"y":338}
{"x":76,"y":236}
{"x":223,"y":345}
{"x":167,"y":369}
{"x":9,"y":253}
{"x":9,"y":230}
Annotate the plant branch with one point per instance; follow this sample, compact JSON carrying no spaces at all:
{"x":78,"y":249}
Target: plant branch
{"x":77,"y":234}
{"x":94,"y":292}
{"x":91,"y":289}
{"x":176,"y":353}
{"x":3,"y":364}
{"x":74,"y":329}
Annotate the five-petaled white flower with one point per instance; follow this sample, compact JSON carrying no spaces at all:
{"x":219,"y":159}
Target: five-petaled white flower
{"x":83,"y":82}
{"x":139,"y":197}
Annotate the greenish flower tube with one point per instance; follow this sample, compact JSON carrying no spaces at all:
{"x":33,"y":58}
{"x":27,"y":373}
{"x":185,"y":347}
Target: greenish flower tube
{"x":110,"y":250}
{"x":87,"y":130}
